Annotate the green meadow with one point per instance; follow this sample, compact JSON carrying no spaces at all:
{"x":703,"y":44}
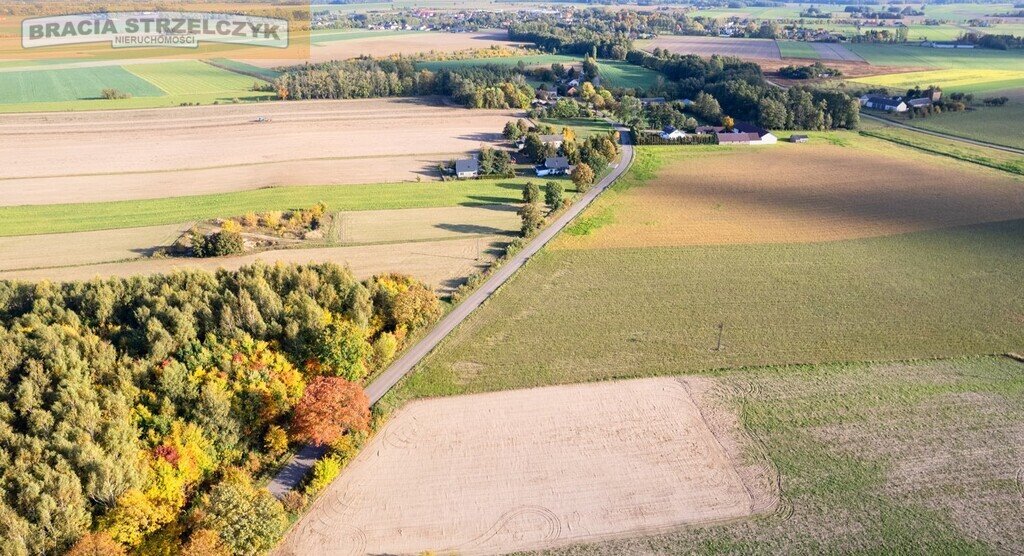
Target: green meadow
{"x":41,"y":219}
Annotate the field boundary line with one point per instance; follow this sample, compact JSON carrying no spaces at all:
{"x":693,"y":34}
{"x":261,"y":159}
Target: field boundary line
{"x":297,"y":467}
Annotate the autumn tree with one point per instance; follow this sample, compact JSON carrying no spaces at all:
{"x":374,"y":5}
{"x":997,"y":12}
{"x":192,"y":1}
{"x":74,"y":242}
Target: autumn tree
{"x":97,"y":544}
{"x":330,"y":407}
{"x":728,"y":123}
{"x":582,"y":177}
{"x":532,"y":218}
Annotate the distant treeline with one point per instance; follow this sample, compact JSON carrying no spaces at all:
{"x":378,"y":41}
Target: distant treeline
{"x":488,"y":86}
{"x":740,"y":90}
{"x":599,"y":38}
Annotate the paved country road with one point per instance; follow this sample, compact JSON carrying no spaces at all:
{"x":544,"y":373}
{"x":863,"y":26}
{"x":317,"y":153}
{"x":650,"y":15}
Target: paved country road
{"x":296,"y":468}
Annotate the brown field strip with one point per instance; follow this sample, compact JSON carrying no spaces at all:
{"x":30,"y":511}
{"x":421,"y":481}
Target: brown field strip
{"x":442,"y":264}
{"x":82,"y":248}
{"x":103,"y":156}
{"x":530,"y":469}
{"x":799,"y":193}
{"x":758,"y":49}
{"x":413,"y":43}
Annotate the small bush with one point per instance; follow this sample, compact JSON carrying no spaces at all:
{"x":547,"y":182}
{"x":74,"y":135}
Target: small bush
{"x":324,"y":471}
{"x":115,"y":94}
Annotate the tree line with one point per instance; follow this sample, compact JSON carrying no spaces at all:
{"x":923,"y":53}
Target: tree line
{"x":136,"y":413}
{"x":722,"y":86}
{"x":487,"y":86}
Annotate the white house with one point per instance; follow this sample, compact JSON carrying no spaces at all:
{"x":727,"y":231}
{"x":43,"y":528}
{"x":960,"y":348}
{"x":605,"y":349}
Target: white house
{"x":670,"y":132}
{"x":467,"y":168}
{"x":554,"y":166}
{"x":883,"y":103}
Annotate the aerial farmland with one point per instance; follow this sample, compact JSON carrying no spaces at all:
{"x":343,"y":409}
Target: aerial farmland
{"x":484,"y":277}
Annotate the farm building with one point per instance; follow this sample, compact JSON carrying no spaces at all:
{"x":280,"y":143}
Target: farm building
{"x":797,"y":138}
{"x":878,"y":102}
{"x":554,"y":166}
{"x":741,"y":134}
{"x":669,"y":132}
{"x":919,"y":102}
{"x":467,"y":168}
{"x":555,"y":140}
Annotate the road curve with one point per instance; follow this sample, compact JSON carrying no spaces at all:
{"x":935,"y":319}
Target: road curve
{"x":942,"y":135}
{"x":291,"y":475}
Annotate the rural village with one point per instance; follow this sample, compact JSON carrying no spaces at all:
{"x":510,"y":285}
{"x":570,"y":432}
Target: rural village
{"x":461,"y":277}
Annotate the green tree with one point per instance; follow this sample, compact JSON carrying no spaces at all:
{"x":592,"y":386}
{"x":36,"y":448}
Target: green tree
{"x":342,"y":348}
{"x":553,"y":195}
{"x":248,"y":519}
{"x":512,"y":131}
{"x":631,"y":112}
{"x":531,"y":193}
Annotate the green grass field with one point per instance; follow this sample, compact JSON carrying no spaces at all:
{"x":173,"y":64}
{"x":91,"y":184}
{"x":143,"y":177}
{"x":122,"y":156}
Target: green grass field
{"x":154,"y":85}
{"x":992,"y":158}
{"x":998,"y":125}
{"x":41,"y":219}
{"x":246,"y":69}
{"x":797,"y":49}
{"x":904,"y":55}
{"x":978,"y":81}
{"x":75,"y":84}
{"x":582,"y":126}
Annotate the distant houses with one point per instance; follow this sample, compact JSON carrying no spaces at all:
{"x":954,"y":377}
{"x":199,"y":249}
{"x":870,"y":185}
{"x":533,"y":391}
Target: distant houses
{"x":879,"y":102}
{"x":794,"y":138}
{"x":554,"y":166}
{"x":900,"y":104}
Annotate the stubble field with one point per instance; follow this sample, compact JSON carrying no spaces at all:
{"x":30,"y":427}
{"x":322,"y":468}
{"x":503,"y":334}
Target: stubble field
{"x":803,"y":193}
{"x":488,"y":474}
{"x":763,"y":49}
{"x":386,"y":44}
{"x":107,"y":156}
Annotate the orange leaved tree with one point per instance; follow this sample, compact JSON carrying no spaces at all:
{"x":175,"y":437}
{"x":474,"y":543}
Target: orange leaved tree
{"x":330,"y":407}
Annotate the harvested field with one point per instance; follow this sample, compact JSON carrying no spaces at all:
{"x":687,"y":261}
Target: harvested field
{"x":104,"y":156}
{"x":908,"y":458}
{"x":380,"y":226}
{"x":487,"y":474}
{"x":760,"y":49}
{"x":82,"y":248}
{"x":803,"y":193}
{"x":442,"y":264}
{"x":387,"y":44}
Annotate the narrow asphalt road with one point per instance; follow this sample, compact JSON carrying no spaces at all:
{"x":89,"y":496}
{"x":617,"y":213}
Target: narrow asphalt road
{"x":291,"y":475}
{"x":942,"y":135}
